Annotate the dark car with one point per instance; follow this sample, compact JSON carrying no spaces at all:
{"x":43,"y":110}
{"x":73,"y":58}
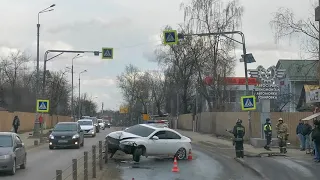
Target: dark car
{"x":66,"y":134}
{"x":12,"y":152}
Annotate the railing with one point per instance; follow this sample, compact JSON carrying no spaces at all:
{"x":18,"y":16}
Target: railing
{"x":85,"y":167}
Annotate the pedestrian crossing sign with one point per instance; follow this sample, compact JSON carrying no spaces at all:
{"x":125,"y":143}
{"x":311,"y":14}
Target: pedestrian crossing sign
{"x":170,"y":37}
{"x":42,"y":106}
{"x":107,"y":53}
{"x":248,"y":103}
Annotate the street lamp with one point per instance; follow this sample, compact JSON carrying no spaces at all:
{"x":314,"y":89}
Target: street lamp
{"x":48,"y":9}
{"x":72,"y":109}
{"x":79,"y":100}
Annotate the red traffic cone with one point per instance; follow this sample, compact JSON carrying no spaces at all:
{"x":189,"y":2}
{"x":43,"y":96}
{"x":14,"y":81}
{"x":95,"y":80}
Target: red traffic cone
{"x":175,"y":165}
{"x":190,"y":155}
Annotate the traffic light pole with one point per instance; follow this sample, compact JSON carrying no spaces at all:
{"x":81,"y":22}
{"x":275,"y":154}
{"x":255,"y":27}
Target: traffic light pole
{"x":244,"y":51}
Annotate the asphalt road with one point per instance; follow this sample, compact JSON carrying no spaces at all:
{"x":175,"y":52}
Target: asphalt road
{"x":42,"y":162}
{"x":206,"y":165}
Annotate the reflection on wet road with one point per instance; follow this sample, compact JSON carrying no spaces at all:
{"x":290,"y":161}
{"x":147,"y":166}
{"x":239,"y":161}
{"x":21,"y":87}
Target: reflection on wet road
{"x":204,"y":166}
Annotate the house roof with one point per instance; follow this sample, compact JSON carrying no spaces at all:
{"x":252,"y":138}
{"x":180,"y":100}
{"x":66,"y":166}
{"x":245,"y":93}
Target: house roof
{"x":299,"y":70}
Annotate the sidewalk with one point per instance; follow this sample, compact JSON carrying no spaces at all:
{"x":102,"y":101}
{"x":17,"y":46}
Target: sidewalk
{"x":224,"y":143}
{"x":28,"y":141}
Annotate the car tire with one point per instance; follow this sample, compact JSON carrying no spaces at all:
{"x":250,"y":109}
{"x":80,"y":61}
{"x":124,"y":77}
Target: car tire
{"x":23,"y":166}
{"x":14,"y":168}
{"x":137,"y":154}
{"x":51,"y":147}
{"x":181,"y":154}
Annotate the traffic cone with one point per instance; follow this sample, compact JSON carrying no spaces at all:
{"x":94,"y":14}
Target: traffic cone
{"x":190,"y":155}
{"x":175,"y":165}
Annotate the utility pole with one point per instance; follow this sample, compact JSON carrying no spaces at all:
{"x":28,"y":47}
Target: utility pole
{"x":178,"y":109}
{"x":72,"y":107}
{"x":36,"y":128}
{"x":317,"y":18}
{"x":101,"y":109}
{"x":79,"y":98}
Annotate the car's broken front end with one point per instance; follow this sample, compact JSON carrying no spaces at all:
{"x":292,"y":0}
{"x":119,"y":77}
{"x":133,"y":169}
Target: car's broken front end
{"x":119,"y":141}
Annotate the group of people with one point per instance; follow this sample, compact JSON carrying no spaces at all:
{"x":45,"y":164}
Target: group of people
{"x":309,"y":138}
{"x":282,"y":130}
{"x":282,"y":134}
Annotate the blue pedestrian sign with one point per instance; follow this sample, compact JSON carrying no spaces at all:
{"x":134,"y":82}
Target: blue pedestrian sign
{"x":107,"y":53}
{"x":170,"y":37}
{"x":42,"y":106}
{"x":248,"y":103}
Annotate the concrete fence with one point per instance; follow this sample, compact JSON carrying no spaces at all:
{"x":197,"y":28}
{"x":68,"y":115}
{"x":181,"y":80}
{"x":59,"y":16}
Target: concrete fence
{"x":27,"y":120}
{"x":218,"y":122}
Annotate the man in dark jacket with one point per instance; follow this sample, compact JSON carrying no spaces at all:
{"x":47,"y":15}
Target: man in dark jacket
{"x":315,"y":137}
{"x":15,"y":124}
{"x":238,"y":133}
{"x":306,"y":131}
{"x":268,"y":133}
{"x":300,"y":136}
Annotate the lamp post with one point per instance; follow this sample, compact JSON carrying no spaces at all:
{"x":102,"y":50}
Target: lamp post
{"x":72,"y":108}
{"x":79,"y":98}
{"x":37,"y":125}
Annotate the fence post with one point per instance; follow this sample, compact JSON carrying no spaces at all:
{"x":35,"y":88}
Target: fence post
{"x":85,"y":165}
{"x":74,"y":169}
{"x":94,"y":169}
{"x":100,"y":155}
{"x":106,"y":152}
{"x":58,"y":174}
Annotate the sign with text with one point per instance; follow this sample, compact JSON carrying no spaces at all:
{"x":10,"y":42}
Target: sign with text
{"x":267,"y":91}
{"x":313,"y":96}
{"x":240,"y":81}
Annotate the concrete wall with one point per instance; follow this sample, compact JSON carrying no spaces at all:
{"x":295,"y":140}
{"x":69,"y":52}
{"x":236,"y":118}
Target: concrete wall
{"x":218,"y":122}
{"x":27,"y":120}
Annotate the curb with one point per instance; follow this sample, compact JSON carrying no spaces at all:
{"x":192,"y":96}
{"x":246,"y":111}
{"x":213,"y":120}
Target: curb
{"x":246,"y":165}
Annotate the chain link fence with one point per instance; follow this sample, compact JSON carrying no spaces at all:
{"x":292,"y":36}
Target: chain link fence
{"x":86,"y":166}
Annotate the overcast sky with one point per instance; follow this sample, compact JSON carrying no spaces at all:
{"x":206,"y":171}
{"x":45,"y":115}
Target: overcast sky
{"x":132,"y":27}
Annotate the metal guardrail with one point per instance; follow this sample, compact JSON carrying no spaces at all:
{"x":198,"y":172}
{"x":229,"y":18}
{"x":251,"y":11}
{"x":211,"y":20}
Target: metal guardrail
{"x":86,"y":165}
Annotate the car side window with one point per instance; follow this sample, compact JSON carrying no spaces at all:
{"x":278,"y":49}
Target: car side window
{"x":172,"y":135}
{"x":161,"y":134}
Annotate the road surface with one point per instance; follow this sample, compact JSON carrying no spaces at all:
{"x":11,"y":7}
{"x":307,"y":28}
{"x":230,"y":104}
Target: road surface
{"x":205,"y":165}
{"x":42,"y":162}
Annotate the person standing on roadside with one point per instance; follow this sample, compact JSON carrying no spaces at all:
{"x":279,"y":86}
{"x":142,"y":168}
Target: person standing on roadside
{"x":268,"y":133}
{"x":16,"y":124}
{"x":300,"y":136}
{"x":282,"y":131}
{"x":315,"y":137}
{"x":238,"y":133}
{"x":306,"y":131}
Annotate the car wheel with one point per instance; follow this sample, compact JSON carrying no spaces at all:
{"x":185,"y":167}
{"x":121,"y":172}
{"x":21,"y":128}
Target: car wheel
{"x":82,"y":144}
{"x":181,"y":153}
{"x":137,"y":154}
{"x":14,"y":166}
{"x":51,"y":147}
{"x":23,"y":166}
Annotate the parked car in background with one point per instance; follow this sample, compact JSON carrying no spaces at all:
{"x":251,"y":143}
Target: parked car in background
{"x":88,"y":127}
{"x":102,"y":124}
{"x":12,"y":152}
{"x":107,"y":123}
{"x":149,"y":140}
{"x":66,"y":134}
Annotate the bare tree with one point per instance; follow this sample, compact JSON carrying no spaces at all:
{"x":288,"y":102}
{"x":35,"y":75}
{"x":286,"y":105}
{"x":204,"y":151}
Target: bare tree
{"x":158,"y":89}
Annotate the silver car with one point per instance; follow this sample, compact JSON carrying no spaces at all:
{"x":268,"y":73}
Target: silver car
{"x":12,"y":152}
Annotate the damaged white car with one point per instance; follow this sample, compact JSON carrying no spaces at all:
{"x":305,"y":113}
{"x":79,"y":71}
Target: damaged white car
{"x":149,"y":140}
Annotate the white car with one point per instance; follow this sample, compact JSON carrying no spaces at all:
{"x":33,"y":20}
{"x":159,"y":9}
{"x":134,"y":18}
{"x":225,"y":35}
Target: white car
{"x":88,"y":127}
{"x":102,"y":124}
{"x":149,"y":140}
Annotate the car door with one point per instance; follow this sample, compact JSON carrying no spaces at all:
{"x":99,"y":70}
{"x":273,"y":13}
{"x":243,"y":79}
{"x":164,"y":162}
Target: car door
{"x":157,"y":147}
{"x":81,"y":133}
{"x":18,"y":150}
{"x":173,"y":142}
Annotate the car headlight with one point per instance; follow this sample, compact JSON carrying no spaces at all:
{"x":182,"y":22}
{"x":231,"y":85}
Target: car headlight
{"x":5,"y":157}
{"x":51,"y":136}
{"x":75,"y":136}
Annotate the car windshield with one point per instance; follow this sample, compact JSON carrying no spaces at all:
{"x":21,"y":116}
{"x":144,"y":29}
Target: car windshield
{"x":99,"y":121}
{"x":86,"y":123}
{"x":65,"y":127}
{"x":5,"y":141}
{"x":139,"y":130}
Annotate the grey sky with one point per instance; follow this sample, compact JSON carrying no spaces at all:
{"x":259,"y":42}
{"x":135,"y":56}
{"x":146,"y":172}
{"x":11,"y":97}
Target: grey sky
{"x":132,"y":28}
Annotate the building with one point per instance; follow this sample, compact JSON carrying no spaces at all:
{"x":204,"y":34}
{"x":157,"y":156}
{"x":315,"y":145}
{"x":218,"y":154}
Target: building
{"x":298,"y":74}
